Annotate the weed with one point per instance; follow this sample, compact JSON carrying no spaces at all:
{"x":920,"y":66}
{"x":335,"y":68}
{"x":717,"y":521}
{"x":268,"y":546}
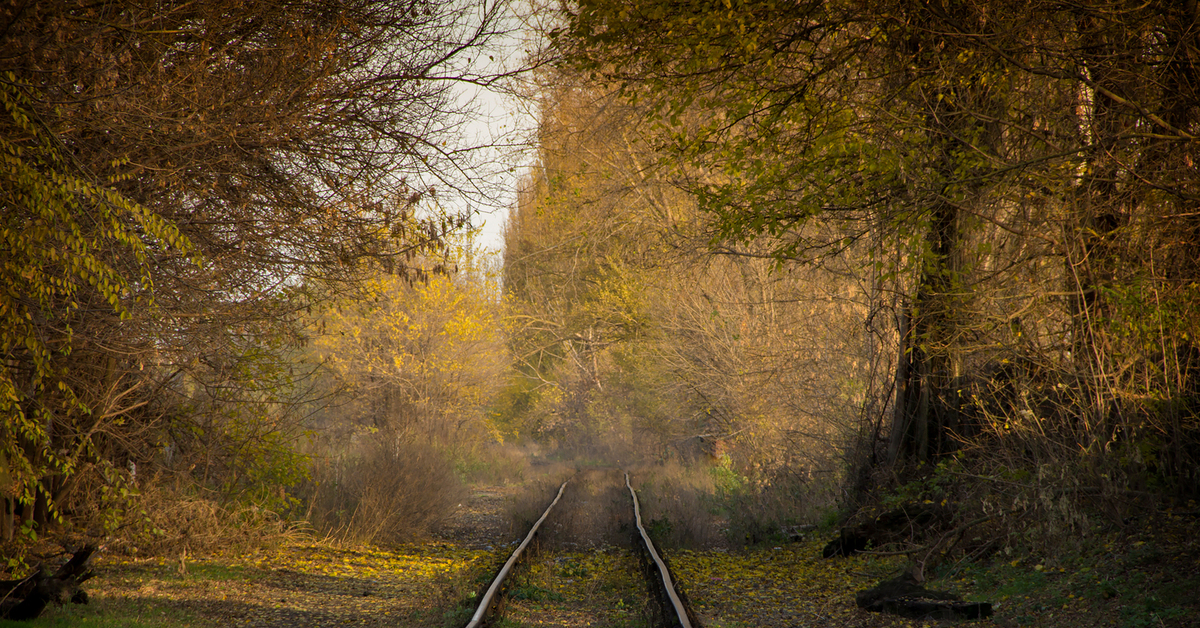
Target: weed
{"x":534,"y":593}
{"x":574,"y":570}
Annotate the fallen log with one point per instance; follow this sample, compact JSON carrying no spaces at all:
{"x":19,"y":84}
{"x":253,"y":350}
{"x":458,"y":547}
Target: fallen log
{"x":905,"y":597}
{"x":28,"y":597}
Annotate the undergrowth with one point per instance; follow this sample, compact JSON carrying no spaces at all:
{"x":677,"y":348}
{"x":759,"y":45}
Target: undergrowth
{"x":1141,"y":574}
{"x":387,"y":494}
{"x":714,"y":505}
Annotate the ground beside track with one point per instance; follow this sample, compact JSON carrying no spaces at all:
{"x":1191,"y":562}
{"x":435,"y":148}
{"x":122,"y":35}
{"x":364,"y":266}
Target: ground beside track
{"x":1146,"y":575}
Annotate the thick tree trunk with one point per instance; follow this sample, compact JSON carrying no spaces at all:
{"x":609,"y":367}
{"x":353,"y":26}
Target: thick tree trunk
{"x":960,"y":110}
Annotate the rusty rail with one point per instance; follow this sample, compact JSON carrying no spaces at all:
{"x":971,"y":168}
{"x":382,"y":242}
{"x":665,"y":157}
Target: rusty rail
{"x":662,"y":577}
{"x":668,"y":585}
{"x":486,"y":601}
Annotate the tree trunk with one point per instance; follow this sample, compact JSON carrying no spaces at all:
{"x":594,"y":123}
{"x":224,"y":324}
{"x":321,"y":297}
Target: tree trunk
{"x":25,"y":599}
{"x":8,"y":507}
{"x":955,"y":108}
{"x":900,"y":413}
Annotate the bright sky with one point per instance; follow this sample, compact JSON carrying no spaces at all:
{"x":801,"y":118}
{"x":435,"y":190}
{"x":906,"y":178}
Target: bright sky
{"x":504,"y":124}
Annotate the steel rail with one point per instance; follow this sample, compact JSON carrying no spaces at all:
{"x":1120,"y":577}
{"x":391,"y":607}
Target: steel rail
{"x":658,"y":561}
{"x":486,"y":601}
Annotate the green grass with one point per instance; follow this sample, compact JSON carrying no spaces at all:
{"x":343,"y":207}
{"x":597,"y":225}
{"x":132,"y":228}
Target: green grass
{"x":1143,"y":580}
{"x":110,"y":613}
{"x":532,"y":592}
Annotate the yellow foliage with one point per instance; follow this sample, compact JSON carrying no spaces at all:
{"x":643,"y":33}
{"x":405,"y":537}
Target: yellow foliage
{"x":434,"y":350}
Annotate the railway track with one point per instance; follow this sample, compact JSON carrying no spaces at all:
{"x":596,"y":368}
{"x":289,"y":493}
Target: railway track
{"x":594,"y":511}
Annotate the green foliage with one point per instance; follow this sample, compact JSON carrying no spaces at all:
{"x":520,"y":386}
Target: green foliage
{"x":60,"y":233}
{"x":935,"y":485}
{"x":1149,"y":318}
{"x":949,"y":158}
{"x":660,"y":530}
{"x":169,"y":211}
{"x":727,"y":481}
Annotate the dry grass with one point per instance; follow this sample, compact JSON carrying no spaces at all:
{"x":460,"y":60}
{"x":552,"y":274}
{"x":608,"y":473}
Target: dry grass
{"x":531,"y":503}
{"x":493,"y":464}
{"x":680,"y":505}
{"x":390,"y":495}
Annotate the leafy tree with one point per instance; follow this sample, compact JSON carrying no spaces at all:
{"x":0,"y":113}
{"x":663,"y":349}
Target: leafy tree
{"x":59,"y":232}
{"x":419,"y":360}
{"x":1004,"y":152}
{"x":633,"y":331}
{"x":177,"y":178}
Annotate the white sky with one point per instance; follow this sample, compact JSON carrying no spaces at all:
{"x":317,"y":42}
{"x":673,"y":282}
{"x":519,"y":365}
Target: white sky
{"x":508,"y":120}
{"x":501,"y":122}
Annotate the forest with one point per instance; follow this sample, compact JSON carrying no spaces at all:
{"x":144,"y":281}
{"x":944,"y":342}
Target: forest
{"x":812,"y":257}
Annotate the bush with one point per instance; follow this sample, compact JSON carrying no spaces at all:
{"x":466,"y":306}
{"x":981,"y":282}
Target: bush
{"x":391,"y":494}
{"x":164,"y":518}
{"x":679,"y":504}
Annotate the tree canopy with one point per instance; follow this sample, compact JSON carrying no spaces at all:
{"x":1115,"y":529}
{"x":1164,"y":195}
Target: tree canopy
{"x":1014,"y":182}
{"x":181,"y":183}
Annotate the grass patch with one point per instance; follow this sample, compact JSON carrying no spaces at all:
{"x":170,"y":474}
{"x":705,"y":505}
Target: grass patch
{"x":112,"y":613}
{"x":1133,"y":578}
{"x":300,"y":584}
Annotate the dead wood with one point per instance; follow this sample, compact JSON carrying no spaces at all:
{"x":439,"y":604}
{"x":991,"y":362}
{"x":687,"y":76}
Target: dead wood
{"x":905,"y":597}
{"x":28,"y":597}
{"x":909,"y":521}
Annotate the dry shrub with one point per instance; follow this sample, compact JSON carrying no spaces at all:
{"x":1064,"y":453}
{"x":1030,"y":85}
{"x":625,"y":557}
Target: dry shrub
{"x":680,"y":504}
{"x":709,"y":505}
{"x":389,"y":495}
{"x":773,"y":508}
{"x":164,"y":518}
